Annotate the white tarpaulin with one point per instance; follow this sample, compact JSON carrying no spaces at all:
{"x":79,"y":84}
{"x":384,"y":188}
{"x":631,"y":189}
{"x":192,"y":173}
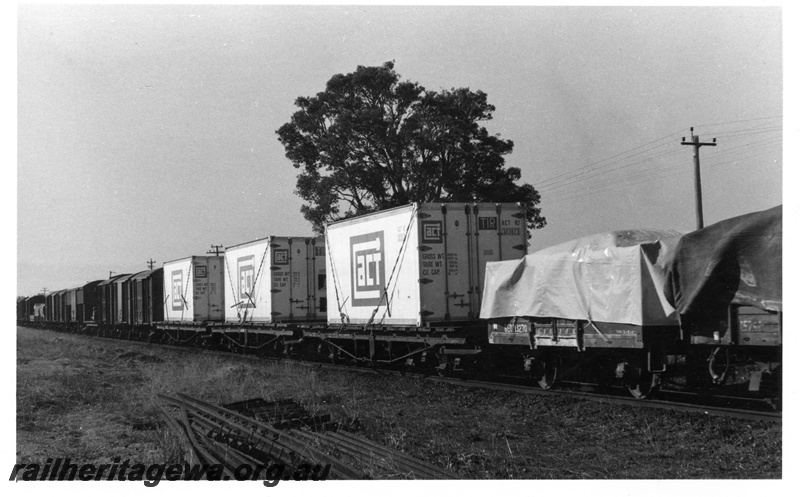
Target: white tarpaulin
{"x":614,"y":277}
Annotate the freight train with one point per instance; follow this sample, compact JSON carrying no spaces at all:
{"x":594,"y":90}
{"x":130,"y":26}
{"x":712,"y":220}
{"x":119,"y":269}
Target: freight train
{"x":450,"y":287}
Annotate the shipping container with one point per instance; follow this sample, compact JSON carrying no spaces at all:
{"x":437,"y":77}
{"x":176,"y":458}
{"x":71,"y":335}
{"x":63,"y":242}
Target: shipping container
{"x":193,"y":289}
{"x":418,"y":264}
{"x":276,"y":279}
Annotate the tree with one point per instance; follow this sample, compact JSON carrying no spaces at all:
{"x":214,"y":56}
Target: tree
{"x":371,"y":141}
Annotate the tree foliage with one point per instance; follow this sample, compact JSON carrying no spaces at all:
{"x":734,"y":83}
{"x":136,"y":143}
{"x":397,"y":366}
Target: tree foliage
{"x":371,"y":141}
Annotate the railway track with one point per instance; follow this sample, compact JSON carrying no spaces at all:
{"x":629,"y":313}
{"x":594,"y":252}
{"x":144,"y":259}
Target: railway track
{"x":235,"y":439}
{"x":690,"y":403}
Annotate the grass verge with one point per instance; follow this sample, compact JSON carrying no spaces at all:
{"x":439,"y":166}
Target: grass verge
{"x":92,"y":400}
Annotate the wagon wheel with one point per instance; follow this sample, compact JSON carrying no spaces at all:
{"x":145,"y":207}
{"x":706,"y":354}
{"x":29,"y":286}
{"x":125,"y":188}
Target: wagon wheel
{"x":643,"y":383}
{"x":546,"y":372}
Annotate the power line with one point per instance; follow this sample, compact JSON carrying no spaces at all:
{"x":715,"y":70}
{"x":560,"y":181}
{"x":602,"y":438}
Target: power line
{"x":741,"y":121}
{"x":571,"y":177}
{"x":669,"y":170}
{"x":601,"y":173}
{"x":566,"y":184}
{"x":569,"y":173}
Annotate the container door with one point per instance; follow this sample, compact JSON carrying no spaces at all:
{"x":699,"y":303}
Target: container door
{"x":216,"y":288}
{"x":444,"y":281}
{"x":318,"y":279}
{"x":138,"y":302}
{"x":298,"y":274}
{"x":199,"y":283}
{"x":155,"y":299}
{"x":289,"y":295}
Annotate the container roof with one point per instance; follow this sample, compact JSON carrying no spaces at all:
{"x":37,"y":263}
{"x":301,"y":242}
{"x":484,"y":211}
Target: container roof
{"x":113,"y":279}
{"x":145,"y":274}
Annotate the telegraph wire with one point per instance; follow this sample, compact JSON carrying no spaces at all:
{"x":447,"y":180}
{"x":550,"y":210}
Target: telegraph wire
{"x":594,"y":172}
{"x":672,"y":169}
{"x":714,"y":161}
{"x":740,"y":121}
{"x":642,"y":161}
{"x":630,"y":180}
{"x":573,"y":177}
{"x":569,"y":173}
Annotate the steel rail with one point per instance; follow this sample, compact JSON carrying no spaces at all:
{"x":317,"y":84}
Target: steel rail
{"x":274,"y":450}
{"x":298,"y":452}
{"x":366,"y":447}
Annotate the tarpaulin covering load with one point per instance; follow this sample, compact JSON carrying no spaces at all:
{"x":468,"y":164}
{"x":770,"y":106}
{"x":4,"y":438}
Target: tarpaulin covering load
{"x":614,"y":277}
{"x":736,"y":261}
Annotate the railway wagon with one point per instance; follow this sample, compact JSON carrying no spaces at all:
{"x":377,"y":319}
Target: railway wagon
{"x":72,"y":299}
{"x":30,"y":309}
{"x":146,"y":293}
{"x":122,"y":300}
{"x":135,"y":304}
{"x":593,"y":303}
{"x":404,"y":284}
{"x":107,"y":294}
{"x":725,"y":282}
{"x":88,"y":302}
{"x":49,"y":307}
{"x":59,"y":306}
{"x":276,"y":279}
{"x":22,"y":310}
{"x":81,"y":303}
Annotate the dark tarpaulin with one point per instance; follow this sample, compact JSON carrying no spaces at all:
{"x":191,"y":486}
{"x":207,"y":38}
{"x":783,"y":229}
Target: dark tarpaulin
{"x":736,"y":261}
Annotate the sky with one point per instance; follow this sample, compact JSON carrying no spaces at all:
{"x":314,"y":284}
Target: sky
{"x":148,"y":131}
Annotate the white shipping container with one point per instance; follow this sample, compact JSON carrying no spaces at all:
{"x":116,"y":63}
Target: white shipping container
{"x":276,"y":279}
{"x":419,"y":264}
{"x":193,"y":289}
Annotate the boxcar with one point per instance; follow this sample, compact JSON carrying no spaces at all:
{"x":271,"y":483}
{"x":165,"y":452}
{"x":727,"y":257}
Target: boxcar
{"x":146,"y":290}
{"x":89,"y":302}
{"x":107,"y":295}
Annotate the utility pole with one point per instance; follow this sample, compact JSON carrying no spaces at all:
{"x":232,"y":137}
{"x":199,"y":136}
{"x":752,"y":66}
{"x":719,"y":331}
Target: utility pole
{"x":698,"y":192}
{"x":150,"y":263}
{"x":215,"y":249}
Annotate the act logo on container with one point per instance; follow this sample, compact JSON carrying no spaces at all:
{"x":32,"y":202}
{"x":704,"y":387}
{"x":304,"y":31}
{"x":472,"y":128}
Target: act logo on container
{"x":367,"y":268}
{"x":247,"y":279}
{"x":177,"y":290}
